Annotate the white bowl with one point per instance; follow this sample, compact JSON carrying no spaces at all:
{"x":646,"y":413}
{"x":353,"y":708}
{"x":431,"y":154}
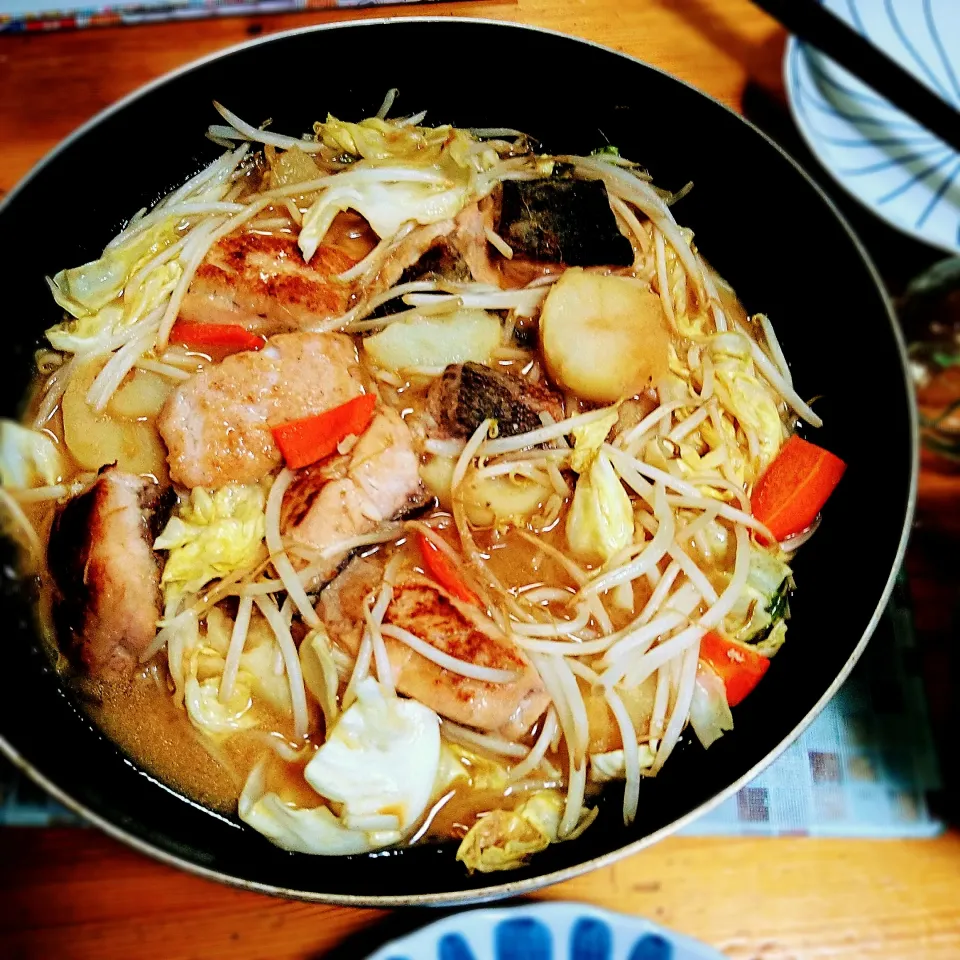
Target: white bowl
{"x":891,"y":164}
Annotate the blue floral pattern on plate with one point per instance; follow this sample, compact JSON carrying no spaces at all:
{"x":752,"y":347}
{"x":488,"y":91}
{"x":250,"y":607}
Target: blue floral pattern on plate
{"x":881,"y":156}
{"x":545,"y":931}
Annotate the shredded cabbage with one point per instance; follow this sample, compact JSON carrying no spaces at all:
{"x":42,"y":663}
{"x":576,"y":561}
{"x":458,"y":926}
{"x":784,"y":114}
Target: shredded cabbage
{"x":379,"y":140}
{"x":212,"y":536}
{"x":773,"y":641}
{"x":90,"y":293}
{"x":87,"y":333}
{"x":380,"y":758}
{"x":600,"y":521}
{"x":85,"y":289}
{"x":212,"y":717}
{"x":589,"y":438}
{"x":202,"y":659}
{"x":378,"y":765}
{"x":28,"y":457}
{"x":315,"y":830}
{"x":506,"y":839}
{"x":747,"y":397}
{"x":320,"y":673}
{"x":100,"y":295}
{"x":197,"y":662}
{"x":483,"y":773}
{"x":374,"y":138}
{"x":385,"y":206}
{"x":710,"y":714}
{"x":257,"y":669}
{"x":762,"y":608}
{"x":451,"y":153}
{"x":154,"y":290}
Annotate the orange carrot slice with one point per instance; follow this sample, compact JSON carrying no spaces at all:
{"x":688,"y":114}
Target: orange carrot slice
{"x":794,"y":488}
{"x":739,"y":667}
{"x":222,"y":337}
{"x":443,"y":571}
{"x":305,"y":441}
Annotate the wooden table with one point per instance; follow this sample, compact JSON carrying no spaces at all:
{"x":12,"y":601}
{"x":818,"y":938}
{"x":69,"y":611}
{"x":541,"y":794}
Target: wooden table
{"x":76,"y":894}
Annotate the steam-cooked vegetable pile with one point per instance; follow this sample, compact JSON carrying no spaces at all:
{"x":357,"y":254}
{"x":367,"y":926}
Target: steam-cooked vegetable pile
{"x":429,"y":481}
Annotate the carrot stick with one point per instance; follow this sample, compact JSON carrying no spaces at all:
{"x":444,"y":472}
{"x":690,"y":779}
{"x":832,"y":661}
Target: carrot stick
{"x":305,"y":441}
{"x":794,"y":488}
{"x":216,"y":336}
{"x":443,"y":571}
{"x":739,"y":667}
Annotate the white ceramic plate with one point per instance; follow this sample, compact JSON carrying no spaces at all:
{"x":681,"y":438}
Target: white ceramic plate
{"x":545,"y":931}
{"x":888,"y":162}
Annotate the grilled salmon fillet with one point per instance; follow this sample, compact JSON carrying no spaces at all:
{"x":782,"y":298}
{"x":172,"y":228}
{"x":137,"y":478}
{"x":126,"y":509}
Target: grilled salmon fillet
{"x":262,"y":283}
{"x":107,"y":578}
{"x":425,"y":609}
{"x":346,"y":497}
{"x":216,"y":425}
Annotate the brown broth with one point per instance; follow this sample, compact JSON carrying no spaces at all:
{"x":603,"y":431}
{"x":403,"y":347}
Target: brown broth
{"x":143,"y":718}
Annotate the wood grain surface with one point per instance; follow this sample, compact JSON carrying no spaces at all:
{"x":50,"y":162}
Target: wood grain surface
{"x":72,"y":893}
{"x":52,"y":83}
{"x":76,"y":894}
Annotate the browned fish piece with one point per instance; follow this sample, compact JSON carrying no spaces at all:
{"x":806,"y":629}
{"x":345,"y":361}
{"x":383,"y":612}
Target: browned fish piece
{"x":562,"y":220}
{"x":333,"y":501}
{"x":467,"y":394}
{"x":216,"y":425}
{"x":425,"y":609}
{"x":106,"y":575}
{"x":262,"y":283}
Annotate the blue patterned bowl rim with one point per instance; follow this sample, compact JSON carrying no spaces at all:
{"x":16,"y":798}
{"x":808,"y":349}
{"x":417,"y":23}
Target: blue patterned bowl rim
{"x":545,"y":931}
{"x":797,"y":51}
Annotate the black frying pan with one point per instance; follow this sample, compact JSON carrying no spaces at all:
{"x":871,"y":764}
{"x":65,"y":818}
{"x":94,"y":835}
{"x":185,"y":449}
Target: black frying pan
{"x":757,"y":217}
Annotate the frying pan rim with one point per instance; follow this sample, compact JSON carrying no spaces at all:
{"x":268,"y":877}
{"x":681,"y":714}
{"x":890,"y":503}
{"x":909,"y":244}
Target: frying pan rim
{"x":496,"y":891}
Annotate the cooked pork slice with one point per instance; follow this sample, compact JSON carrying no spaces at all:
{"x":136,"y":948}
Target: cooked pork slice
{"x":216,"y":425}
{"x":262,"y":283}
{"x":106,"y":575}
{"x":334,"y":501}
{"x":467,"y":394}
{"x":462,"y":254}
{"x":470,"y":241}
{"x":426,"y":610}
{"x":416,"y":244}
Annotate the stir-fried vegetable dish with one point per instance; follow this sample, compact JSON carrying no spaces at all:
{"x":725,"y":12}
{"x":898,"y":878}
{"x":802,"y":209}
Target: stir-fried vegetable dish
{"x":396,"y":483}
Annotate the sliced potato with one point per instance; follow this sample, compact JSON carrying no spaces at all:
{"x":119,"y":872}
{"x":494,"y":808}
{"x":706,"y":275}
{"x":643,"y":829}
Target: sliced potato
{"x":436,"y":474}
{"x":142,"y":395}
{"x":603,"y":337}
{"x":96,"y":439}
{"x":435,"y":341}
{"x":489,"y":500}
{"x":603,"y":726}
{"x":496,"y":500}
